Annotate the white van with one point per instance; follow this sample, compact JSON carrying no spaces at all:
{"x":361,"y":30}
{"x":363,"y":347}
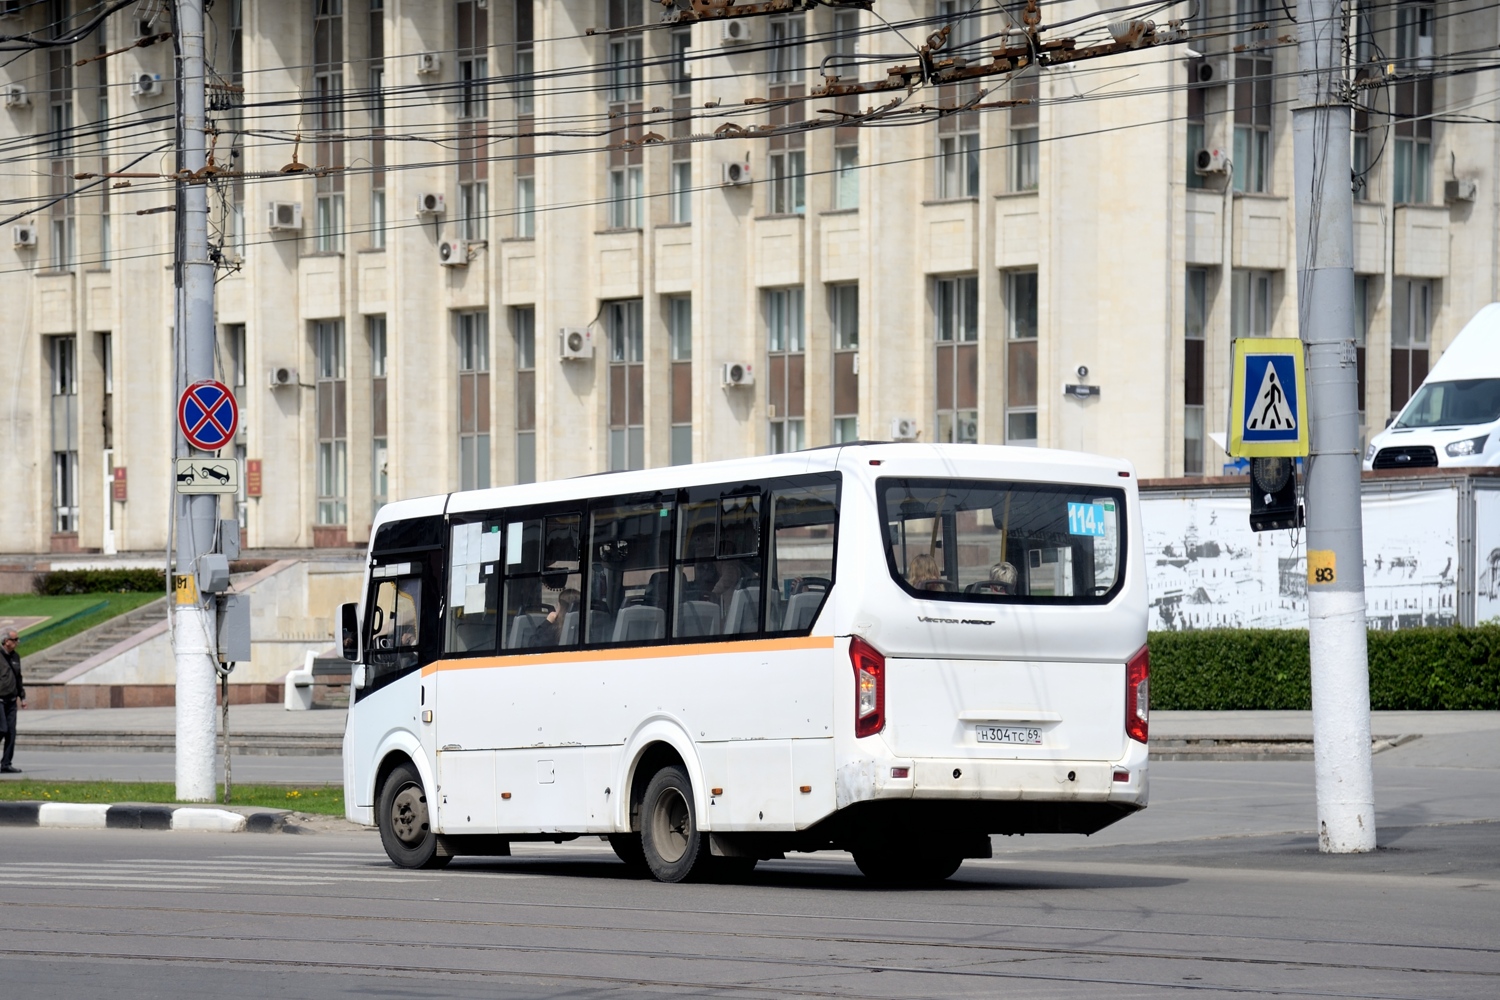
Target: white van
{"x":1453,"y":419}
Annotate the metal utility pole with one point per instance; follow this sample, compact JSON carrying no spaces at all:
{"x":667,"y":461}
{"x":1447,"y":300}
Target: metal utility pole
{"x":1335,"y":547}
{"x":193,"y":632}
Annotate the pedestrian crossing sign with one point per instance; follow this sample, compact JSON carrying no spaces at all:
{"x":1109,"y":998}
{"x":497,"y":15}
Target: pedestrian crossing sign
{"x":1268,"y":399}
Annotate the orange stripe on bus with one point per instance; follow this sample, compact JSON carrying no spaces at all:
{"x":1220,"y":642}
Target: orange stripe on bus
{"x":633,"y":653}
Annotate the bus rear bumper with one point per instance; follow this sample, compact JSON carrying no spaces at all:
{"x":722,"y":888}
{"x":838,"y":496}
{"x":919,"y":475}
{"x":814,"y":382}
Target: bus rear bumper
{"x":1121,"y":783}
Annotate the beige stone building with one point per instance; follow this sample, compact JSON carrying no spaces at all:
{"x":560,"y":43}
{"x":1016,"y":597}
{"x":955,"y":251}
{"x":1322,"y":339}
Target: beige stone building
{"x":439,"y":274}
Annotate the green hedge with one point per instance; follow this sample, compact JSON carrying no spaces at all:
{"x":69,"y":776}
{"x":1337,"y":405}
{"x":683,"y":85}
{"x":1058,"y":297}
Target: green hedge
{"x":1419,"y":668}
{"x":102,"y":581}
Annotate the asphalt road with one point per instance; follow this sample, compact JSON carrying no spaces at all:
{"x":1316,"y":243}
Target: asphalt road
{"x":1216,"y":890}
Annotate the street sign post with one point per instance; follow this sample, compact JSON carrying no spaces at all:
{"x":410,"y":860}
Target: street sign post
{"x":1268,"y":399}
{"x":208,"y":415}
{"x":207,"y":475}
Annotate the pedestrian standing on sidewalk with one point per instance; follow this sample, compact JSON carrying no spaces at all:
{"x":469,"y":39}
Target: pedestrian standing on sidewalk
{"x":12,"y":690}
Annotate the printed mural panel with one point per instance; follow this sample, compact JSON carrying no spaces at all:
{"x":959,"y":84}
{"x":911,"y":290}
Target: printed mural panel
{"x":1206,"y":569}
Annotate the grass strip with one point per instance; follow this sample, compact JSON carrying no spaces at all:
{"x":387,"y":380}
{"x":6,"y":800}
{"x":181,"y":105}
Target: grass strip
{"x":59,"y":607}
{"x":323,"y":799}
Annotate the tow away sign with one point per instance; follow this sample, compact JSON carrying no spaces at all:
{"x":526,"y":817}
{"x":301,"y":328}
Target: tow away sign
{"x":1268,"y":399}
{"x":208,"y":475}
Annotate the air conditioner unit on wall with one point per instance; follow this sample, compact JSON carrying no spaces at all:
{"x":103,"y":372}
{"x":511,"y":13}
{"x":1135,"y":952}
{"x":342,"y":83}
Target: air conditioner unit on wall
{"x":428,"y":63}
{"x":284,"y":217}
{"x":15,"y":96}
{"x":1211,"y":161}
{"x":146,"y":85}
{"x":23,"y":235}
{"x":734,"y":174}
{"x":737,"y":374}
{"x":734,"y":31}
{"x":1459,"y":189}
{"x":1208,"y":71}
{"x":279,"y":376}
{"x":904,"y":429}
{"x":576,"y":344}
{"x":453,"y":253}
{"x":431,"y":204}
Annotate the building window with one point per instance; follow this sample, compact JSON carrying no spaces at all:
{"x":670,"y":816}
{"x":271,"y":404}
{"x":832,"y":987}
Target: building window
{"x":60,"y":168}
{"x":473,"y":330}
{"x":958,"y":143}
{"x":1365,"y":301}
{"x":473,"y":128}
{"x":1253,"y":83}
{"x":956,"y":328}
{"x":1197,"y":128}
{"x":1413,"y":111}
{"x":786,"y":165}
{"x":680,"y":178}
{"x":680,"y":343}
{"x":626,"y":189}
{"x":375,"y":83}
{"x":1021,"y":357}
{"x":333,"y":435}
{"x":627,"y":386}
{"x":625,"y":62}
{"x":523,"y":324}
{"x":107,"y":355}
{"x":380,"y":448}
{"x":1252,"y":307}
{"x":1025,"y":134}
{"x":846,"y":156}
{"x":843,"y":308}
{"x":63,"y":352}
{"x":786,"y":345}
{"x":524,"y":92}
{"x":235,"y":362}
{"x":523,"y":88}
{"x":1194,"y":370}
{"x":1411,"y":337}
{"x":1360,"y":162}
{"x":327,"y":115}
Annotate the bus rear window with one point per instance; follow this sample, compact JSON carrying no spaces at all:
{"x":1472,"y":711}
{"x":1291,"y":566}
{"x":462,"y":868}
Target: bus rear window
{"x":987,"y":541}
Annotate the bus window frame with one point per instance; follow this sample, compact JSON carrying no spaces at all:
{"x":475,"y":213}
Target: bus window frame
{"x":678,"y":497}
{"x":884,"y":483}
{"x":430,"y":567}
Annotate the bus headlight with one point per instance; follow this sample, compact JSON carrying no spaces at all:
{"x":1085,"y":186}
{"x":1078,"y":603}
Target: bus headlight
{"x":1467,"y":447}
{"x":869,"y":687}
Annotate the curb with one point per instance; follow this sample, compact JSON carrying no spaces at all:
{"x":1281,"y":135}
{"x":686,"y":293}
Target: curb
{"x":99,"y":816}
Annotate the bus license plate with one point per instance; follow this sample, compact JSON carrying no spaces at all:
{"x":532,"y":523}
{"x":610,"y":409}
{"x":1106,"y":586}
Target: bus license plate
{"x":1025,"y":735}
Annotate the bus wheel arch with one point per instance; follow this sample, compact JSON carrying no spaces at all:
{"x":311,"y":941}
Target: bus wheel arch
{"x":652,"y":757}
{"x":406,"y":822}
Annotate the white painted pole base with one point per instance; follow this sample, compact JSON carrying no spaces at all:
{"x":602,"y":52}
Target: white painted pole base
{"x":195,"y":704}
{"x":1341,"y":722}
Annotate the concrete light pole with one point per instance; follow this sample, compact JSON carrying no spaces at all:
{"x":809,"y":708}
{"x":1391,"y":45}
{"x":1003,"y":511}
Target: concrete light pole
{"x":193,"y":635}
{"x":1335,"y":547}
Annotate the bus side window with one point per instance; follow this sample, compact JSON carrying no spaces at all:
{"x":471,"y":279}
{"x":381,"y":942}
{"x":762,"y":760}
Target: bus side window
{"x":803,"y":523}
{"x":718,"y":567}
{"x":473,"y":587}
{"x":543,"y":586}
{"x":630,"y":548}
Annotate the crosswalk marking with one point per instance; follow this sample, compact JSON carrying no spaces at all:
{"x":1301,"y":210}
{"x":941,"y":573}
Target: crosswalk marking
{"x":230,"y":872}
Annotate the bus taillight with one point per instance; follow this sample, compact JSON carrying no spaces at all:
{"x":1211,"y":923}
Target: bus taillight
{"x":1137,"y":694}
{"x":869,"y":687}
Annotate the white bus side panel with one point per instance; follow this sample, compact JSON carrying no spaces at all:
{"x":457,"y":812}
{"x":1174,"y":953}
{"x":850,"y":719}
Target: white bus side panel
{"x":741,"y":713}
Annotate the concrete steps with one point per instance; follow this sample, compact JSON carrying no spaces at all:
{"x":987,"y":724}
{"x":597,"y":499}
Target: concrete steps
{"x":74,"y":650}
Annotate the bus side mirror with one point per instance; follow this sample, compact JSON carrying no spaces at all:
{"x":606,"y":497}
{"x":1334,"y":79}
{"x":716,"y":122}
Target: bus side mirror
{"x":349,"y":630}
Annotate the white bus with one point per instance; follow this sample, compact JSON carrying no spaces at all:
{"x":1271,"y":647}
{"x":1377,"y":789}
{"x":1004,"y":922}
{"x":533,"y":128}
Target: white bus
{"x":896,"y":650}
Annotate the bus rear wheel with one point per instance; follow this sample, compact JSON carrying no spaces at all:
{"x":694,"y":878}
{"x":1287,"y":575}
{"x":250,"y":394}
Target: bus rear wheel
{"x":405,"y":822}
{"x":674,"y":848}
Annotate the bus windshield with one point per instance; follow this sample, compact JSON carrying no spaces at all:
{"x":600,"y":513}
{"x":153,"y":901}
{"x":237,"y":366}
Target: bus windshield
{"x":988,"y":541}
{"x":1454,"y":404}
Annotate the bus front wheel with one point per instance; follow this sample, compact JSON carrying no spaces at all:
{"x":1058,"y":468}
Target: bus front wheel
{"x":673,"y":847}
{"x":405,"y":822}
